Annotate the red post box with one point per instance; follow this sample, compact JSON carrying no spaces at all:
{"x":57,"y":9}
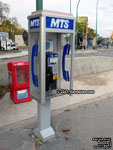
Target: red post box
{"x":18,"y":73}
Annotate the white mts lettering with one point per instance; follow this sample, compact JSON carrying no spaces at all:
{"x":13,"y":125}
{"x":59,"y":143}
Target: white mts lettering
{"x":37,"y":22}
{"x":66,"y":24}
{"x":32,"y":23}
{"x":55,"y":23}
{"x":62,"y":23}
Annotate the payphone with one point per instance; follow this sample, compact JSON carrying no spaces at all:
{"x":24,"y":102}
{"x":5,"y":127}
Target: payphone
{"x":48,"y":60}
{"x":51,"y":70}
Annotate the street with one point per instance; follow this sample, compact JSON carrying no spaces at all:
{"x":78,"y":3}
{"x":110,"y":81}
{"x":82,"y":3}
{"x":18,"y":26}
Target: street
{"x":79,"y":53}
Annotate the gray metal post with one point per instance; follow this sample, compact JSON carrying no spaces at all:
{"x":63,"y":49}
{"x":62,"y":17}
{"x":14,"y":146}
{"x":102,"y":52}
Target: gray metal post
{"x":44,"y":130}
{"x":96,"y":21}
{"x":83,"y":40}
{"x":72,"y":62}
{"x":70,"y":6}
{"x":86,"y":42}
{"x":76,"y":27}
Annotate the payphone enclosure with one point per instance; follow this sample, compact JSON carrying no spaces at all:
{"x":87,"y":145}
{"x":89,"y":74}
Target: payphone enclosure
{"x":51,"y":54}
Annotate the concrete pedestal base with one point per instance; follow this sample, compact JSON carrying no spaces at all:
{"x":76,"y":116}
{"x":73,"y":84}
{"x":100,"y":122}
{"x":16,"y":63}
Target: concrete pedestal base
{"x":44,"y":131}
{"x":45,"y":134}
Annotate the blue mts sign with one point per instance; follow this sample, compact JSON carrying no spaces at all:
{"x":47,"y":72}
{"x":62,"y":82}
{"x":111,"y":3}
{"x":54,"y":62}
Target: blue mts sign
{"x":59,"y":23}
{"x":34,"y":23}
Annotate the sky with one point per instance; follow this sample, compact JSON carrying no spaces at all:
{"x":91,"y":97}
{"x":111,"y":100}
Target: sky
{"x":23,"y":8}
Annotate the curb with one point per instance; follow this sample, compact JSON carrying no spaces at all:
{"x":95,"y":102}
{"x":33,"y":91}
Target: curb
{"x":13,"y":55}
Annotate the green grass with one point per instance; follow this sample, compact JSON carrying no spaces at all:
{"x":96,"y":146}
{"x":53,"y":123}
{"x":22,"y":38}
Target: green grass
{"x":9,"y":51}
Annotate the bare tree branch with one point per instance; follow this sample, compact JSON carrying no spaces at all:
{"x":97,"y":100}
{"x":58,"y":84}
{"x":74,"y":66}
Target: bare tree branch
{"x":4,"y":10}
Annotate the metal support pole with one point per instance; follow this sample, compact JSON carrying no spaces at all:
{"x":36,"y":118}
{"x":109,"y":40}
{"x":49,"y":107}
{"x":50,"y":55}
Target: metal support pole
{"x":86,"y":41}
{"x":76,"y":27}
{"x":44,"y":131}
{"x":83,"y":40}
{"x":70,"y":6}
{"x":39,"y":5}
{"x":96,"y":21}
{"x":72,"y":61}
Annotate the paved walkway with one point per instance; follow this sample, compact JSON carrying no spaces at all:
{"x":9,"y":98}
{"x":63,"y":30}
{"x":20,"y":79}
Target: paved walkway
{"x":86,"y":51}
{"x":101,"y":83}
{"x":75,"y":128}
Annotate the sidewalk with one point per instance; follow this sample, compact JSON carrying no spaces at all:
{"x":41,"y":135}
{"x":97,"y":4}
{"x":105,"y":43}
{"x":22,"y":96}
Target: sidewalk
{"x":101,"y":83}
{"x":75,"y":128}
{"x":86,"y":51}
{"x":21,"y":54}
{"x":76,"y":119}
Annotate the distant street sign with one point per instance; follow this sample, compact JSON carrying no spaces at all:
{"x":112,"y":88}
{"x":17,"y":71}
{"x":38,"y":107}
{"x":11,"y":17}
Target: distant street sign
{"x":82,"y":20}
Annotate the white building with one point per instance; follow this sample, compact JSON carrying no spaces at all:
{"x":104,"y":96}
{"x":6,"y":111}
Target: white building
{"x":19,"y":40}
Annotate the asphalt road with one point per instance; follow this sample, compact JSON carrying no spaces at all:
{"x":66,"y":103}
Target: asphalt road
{"x":106,"y":53}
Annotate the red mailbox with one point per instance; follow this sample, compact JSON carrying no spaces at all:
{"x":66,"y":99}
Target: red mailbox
{"x":19,"y":81}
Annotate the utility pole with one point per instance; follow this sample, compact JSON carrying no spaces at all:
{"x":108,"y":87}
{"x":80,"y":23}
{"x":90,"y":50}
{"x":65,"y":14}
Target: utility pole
{"x":70,"y":6}
{"x":96,"y":21}
{"x":39,"y":5}
{"x":76,"y":28}
{"x":83,"y":45}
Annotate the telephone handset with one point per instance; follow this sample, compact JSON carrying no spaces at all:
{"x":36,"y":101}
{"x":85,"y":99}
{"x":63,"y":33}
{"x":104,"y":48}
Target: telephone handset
{"x":34,"y":54}
{"x":66,"y":51}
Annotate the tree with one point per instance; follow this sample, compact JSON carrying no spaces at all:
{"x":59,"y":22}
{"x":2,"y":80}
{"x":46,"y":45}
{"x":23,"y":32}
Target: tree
{"x":81,"y":28}
{"x":9,"y":25}
{"x":91,"y":32}
{"x":4,"y":10}
{"x":12,"y":27}
{"x":100,"y":40}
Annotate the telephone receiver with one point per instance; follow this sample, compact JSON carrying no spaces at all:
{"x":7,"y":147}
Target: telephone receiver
{"x":66,"y":51}
{"x":34,"y":54}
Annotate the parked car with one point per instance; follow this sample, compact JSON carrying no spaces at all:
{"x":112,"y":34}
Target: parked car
{"x":8,"y":45}
{"x":2,"y":48}
{"x":14,"y":47}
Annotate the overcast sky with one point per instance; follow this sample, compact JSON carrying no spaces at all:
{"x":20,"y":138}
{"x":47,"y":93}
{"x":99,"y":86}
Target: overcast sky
{"x":22,"y":8}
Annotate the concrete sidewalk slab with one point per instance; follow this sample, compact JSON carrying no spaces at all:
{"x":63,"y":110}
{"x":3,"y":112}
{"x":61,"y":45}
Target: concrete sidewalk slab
{"x":102,"y":83}
{"x":74,"y":129}
{"x":86,"y":51}
{"x":21,"y":54}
